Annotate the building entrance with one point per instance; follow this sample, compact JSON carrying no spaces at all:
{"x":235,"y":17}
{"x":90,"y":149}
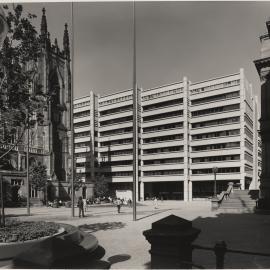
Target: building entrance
{"x":164,"y":190}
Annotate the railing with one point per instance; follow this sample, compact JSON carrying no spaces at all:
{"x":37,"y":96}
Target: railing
{"x":216,"y":202}
{"x":171,"y":245}
{"x":220,"y":249}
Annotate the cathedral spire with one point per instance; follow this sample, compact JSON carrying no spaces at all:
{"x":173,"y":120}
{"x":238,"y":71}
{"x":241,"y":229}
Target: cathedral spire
{"x":43,"y":25}
{"x":49,"y":39}
{"x":56,"y":48}
{"x":66,"y":41}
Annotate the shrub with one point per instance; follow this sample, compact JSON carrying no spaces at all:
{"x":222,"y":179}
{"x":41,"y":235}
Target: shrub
{"x":17,"y":231}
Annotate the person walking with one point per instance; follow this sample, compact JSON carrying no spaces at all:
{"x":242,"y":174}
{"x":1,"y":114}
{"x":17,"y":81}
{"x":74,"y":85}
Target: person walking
{"x":129,"y":203}
{"x":84,"y":205}
{"x":155,"y":202}
{"x":81,"y":207}
{"x":118,"y":204}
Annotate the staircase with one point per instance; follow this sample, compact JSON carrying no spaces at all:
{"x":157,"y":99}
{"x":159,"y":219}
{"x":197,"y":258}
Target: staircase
{"x":243,"y":201}
{"x":35,"y":202}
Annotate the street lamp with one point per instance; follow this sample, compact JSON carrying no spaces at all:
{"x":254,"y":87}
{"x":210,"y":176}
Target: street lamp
{"x":215,"y":170}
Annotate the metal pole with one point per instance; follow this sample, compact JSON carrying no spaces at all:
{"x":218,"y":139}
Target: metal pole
{"x":220,"y":251}
{"x":215,"y":170}
{"x":215,"y":191}
{"x":2,"y":222}
{"x":71,"y":112}
{"x":135,"y":128}
{"x":215,"y":184}
{"x":46,"y":193}
{"x":27,"y":170}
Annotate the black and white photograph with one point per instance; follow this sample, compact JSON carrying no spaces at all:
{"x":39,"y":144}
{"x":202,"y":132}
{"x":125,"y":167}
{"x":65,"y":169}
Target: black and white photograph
{"x":135,"y":134}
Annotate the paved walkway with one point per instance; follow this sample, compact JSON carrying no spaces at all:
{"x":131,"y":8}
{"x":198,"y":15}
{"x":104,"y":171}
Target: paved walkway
{"x":126,"y":246}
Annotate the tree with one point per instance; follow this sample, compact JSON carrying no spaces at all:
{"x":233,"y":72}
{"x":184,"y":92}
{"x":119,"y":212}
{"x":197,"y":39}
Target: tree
{"x":38,"y":176}
{"x":78,"y":183}
{"x":101,"y":187}
{"x":21,"y":98}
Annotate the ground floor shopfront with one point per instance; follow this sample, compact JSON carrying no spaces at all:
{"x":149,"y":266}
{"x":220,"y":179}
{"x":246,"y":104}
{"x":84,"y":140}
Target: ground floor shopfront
{"x":171,"y":190}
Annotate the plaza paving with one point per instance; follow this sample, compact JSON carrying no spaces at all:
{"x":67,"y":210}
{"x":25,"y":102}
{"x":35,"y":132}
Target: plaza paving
{"x":126,"y":247}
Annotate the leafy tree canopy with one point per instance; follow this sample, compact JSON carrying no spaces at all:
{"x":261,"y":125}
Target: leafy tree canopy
{"x":21,"y":96}
{"x":38,"y":176}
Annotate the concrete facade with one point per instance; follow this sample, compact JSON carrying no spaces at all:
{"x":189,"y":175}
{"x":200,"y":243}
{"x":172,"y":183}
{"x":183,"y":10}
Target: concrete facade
{"x":85,"y":141}
{"x":184,"y":130}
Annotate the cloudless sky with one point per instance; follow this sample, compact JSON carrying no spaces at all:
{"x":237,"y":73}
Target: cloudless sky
{"x":200,"y":40}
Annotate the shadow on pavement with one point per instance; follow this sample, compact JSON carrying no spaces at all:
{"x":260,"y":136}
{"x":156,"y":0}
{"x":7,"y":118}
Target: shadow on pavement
{"x":147,"y":265}
{"x":17,"y":215}
{"x":118,"y":258}
{"x":56,"y":253}
{"x":90,"y":228}
{"x":245,"y":232}
{"x":152,"y":214}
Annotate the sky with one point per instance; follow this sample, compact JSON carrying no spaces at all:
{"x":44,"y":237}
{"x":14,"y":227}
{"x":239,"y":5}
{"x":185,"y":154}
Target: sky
{"x":200,"y":40}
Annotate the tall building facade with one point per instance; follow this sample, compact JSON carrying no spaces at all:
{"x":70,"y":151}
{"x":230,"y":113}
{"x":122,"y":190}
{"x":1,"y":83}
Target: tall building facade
{"x":85,"y":142}
{"x":223,"y":127}
{"x":263,"y":67}
{"x":184,"y":130}
{"x":115,"y":141}
{"x":49,"y":143}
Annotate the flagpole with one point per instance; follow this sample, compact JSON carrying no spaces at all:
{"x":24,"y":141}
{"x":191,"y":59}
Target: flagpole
{"x":71,"y":111}
{"x":135,"y":128}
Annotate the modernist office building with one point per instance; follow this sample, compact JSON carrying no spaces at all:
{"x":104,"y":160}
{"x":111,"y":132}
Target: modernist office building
{"x":85,"y":141}
{"x":184,"y":130}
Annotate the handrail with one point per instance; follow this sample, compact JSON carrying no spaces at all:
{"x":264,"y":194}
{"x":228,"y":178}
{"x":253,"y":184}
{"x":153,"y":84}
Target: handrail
{"x":216,"y":202}
{"x":220,"y":249}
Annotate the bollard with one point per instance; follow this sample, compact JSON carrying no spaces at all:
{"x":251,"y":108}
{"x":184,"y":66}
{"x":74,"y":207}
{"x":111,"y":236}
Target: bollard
{"x":171,"y":243}
{"x":220,"y":250}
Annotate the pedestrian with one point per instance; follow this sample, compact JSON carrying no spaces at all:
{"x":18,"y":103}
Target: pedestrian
{"x":155,"y":202}
{"x":118,"y":204}
{"x":129,"y":202}
{"x":81,"y":206}
{"x":84,"y":204}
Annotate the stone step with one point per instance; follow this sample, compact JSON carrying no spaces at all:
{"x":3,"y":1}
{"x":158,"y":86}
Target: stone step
{"x":238,"y":205}
{"x":241,"y":196}
{"x":238,"y":210}
{"x":36,"y":202}
{"x":239,"y":201}
{"x":235,"y":210}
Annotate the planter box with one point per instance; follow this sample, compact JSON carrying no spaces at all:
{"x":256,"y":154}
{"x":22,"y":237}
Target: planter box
{"x":10,"y":250}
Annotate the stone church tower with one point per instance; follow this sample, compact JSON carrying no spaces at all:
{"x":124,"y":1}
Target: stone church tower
{"x":55,"y":77}
{"x":49,"y":143}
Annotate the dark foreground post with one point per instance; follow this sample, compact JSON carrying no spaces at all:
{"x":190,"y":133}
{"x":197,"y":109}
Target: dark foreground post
{"x":171,"y":243}
{"x":2,"y":215}
{"x":220,"y":250}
